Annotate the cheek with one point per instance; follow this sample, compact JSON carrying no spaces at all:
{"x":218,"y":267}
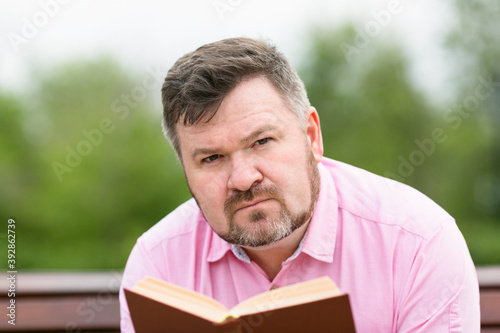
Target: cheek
{"x":210,"y":191}
{"x":210,"y":195}
{"x":297,"y":184}
{"x":290,"y":173}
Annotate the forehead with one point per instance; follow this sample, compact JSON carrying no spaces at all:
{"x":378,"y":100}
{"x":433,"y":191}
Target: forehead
{"x":252,"y":104}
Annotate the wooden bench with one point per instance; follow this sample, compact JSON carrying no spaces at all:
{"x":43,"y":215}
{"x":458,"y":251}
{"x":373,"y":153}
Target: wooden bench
{"x":88,"y":301}
{"x":489,"y":288}
{"x":63,"y":302}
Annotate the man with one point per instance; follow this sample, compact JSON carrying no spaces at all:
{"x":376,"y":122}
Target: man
{"x":268,"y":210}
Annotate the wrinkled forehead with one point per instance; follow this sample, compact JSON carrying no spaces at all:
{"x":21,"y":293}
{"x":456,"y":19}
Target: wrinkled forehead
{"x":252,"y":104}
{"x":222,"y":130}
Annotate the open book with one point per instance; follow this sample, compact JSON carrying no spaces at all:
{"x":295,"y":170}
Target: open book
{"x":312,"y":306}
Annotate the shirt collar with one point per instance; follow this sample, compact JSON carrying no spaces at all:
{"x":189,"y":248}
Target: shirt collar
{"x":241,"y":254}
{"x":218,"y":247}
{"x":319,"y":241}
{"x":322,"y":231}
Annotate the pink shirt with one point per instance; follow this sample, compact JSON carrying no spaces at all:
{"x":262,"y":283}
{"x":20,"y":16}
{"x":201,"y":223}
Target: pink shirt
{"x":400,"y":257}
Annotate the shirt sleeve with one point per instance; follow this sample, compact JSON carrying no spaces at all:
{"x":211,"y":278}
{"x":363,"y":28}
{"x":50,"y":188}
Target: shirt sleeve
{"x":139,"y":265}
{"x":441,"y":293}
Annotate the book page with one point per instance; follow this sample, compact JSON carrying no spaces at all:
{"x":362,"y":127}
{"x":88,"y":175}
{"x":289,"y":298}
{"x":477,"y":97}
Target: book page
{"x":295,"y":294}
{"x":181,"y":298}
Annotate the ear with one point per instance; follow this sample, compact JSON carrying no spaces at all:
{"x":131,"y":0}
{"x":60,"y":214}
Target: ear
{"x":313,"y":131}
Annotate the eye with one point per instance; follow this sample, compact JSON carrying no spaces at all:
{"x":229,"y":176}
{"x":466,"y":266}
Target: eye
{"x":262,"y":141}
{"x":210,"y":158}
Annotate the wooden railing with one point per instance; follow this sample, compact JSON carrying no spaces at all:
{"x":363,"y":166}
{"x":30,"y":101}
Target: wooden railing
{"x":88,"y":301}
{"x":64,"y":302}
{"x":489,"y":288}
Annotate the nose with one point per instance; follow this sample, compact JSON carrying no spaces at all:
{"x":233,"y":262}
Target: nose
{"x":243,"y":174}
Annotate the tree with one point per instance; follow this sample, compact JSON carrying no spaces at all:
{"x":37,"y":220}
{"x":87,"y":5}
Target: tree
{"x":88,"y":168}
{"x":371,"y":115}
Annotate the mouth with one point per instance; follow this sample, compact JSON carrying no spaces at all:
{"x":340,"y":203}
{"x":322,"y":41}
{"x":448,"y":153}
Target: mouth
{"x":252,"y":204}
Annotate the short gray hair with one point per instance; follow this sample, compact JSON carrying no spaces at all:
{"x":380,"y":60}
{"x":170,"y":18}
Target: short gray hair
{"x":198,"y":82}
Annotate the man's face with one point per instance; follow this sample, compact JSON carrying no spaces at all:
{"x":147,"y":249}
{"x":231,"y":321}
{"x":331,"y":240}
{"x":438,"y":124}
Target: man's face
{"x":252,"y":168}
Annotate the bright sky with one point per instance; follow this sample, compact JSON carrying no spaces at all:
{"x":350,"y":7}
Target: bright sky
{"x":155,"y":33}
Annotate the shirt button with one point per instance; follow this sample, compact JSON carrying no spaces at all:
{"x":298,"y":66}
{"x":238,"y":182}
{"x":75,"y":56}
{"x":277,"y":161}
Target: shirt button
{"x":273,"y":287}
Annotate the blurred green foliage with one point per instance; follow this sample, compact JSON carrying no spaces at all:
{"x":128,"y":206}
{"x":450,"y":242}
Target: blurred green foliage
{"x":88,"y":215}
{"x":85,"y":168}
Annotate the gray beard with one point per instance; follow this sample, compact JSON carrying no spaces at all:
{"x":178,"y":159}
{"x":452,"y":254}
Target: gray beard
{"x":263,"y":229}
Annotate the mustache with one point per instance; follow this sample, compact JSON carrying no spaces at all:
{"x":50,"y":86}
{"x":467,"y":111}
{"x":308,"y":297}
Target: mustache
{"x":257,"y":191}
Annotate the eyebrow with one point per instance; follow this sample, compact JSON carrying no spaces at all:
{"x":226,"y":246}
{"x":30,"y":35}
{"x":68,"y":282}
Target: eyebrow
{"x":258,"y":132}
{"x":251,"y":137}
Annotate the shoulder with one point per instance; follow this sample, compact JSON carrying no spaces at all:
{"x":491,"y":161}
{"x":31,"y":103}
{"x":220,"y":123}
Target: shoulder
{"x":376,"y":199}
{"x":185,"y":222}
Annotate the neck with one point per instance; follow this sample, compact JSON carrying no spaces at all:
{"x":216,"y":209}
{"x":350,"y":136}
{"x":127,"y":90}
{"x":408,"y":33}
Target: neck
{"x":271,"y":257}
